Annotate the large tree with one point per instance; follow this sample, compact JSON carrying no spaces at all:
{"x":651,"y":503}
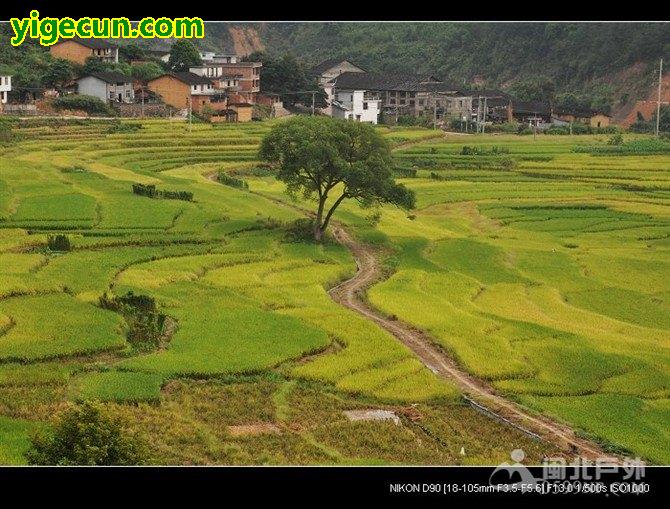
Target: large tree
{"x":288,"y":78}
{"x":333,"y":160}
{"x":183,"y":55}
{"x":59,"y":73}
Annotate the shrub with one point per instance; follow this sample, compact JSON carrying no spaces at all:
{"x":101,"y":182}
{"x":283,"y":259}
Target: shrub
{"x":300,"y":230}
{"x":617,"y":139}
{"x":145,"y":323}
{"x":150,"y":191}
{"x":121,"y":127}
{"x":482,"y":151}
{"x":6,"y":134}
{"x":86,"y":435}
{"x":89,"y":104}
{"x":59,"y":243}
{"x":401,"y":172}
{"x":227,"y":180}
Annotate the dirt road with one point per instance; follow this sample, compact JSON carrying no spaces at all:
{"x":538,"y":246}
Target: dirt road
{"x":349,"y":294}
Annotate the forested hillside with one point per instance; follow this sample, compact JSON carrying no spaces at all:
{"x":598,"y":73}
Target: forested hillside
{"x":605,"y":61}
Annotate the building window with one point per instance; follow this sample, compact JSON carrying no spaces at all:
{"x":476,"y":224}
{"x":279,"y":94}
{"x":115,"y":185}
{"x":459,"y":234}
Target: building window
{"x":365,"y":107}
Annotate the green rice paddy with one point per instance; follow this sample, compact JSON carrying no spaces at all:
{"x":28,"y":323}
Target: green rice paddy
{"x":547,"y":276}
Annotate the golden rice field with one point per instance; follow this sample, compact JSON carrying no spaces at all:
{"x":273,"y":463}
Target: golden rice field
{"x":542,"y":270}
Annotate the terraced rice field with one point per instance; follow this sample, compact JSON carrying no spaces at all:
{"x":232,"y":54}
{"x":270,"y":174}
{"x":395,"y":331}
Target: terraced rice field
{"x":547,"y":276}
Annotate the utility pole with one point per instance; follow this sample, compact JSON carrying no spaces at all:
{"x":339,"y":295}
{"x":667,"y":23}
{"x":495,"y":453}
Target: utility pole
{"x":658,"y":102}
{"x":484,"y":115}
{"x":190,"y":112}
{"x":479,"y":108}
{"x":435,"y":113}
{"x":313,"y":96}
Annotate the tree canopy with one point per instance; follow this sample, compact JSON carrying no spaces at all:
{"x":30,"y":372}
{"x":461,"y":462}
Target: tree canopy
{"x":183,"y":55}
{"x":86,"y":435}
{"x":288,"y":78}
{"x":333,"y":160}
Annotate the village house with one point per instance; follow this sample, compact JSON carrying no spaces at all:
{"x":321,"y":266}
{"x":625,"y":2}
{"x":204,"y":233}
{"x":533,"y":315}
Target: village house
{"x":401,"y":93}
{"x":248,"y":76}
{"x":593,"y":118}
{"x":78,"y":50}
{"x":533,"y":113}
{"x":274,"y":102}
{"x":218,"y":58}
{"x":107,"y":86}
{"x":358,"y":105}
{"x":159,"y":54}
{"x":332,"y":68}
{"x":241,"y":109}
{"x":219,"y":75}
{"x":5,"y":88}
{"x":184,"y":90}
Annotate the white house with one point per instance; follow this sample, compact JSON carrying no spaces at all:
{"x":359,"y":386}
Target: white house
{"x":326,"y":72}
{"x":107,"y":86}
{"x":5,"y":87}
{"x":218,"y":58}
{"x":356,"y":105}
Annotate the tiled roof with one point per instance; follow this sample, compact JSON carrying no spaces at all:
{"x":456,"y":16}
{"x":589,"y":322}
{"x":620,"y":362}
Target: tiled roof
{"x":190,"y":78}
{"x":322,"y":67}
{"x":531,"y":107}
{"x":91,"y":43}
{"x":383,"y":81}
{"x":110,"y":77}
{"x":585,"y":113}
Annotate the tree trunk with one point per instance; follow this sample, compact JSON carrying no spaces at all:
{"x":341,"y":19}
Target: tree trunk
{"x":318,"y":231}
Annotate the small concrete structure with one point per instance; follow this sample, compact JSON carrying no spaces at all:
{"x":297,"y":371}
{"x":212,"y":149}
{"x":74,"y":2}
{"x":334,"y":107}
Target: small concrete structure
{"x":372,"y":415}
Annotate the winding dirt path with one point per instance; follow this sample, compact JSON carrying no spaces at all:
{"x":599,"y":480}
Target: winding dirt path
{"x":479,"y":393}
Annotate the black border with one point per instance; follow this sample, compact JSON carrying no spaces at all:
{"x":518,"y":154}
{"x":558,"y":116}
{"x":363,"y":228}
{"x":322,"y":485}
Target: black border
{"x":228,"y":485}
{"x":569,"y":11}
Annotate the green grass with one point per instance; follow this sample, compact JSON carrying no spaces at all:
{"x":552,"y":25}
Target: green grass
{"x":547,"y":275}
{"x":116,"y":386}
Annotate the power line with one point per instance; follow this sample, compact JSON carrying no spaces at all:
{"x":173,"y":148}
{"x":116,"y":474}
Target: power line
{"x":658,"y":102}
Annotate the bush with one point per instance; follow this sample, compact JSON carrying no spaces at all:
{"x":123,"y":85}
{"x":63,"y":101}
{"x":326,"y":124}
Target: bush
{"x":59,"y":243}
{"x":227,"y":180}
{"x":482,"y":151}
{"x":401,"y":172}
{"x":89,"y":104}
{"x":300,"y":230}
{"x":150,"y":191}
{"x":6,"y":134}
{"x":123,"y":128}
{"x":86,"y":435}
{"x":145,"y":323}
{"x":649,"y":146}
